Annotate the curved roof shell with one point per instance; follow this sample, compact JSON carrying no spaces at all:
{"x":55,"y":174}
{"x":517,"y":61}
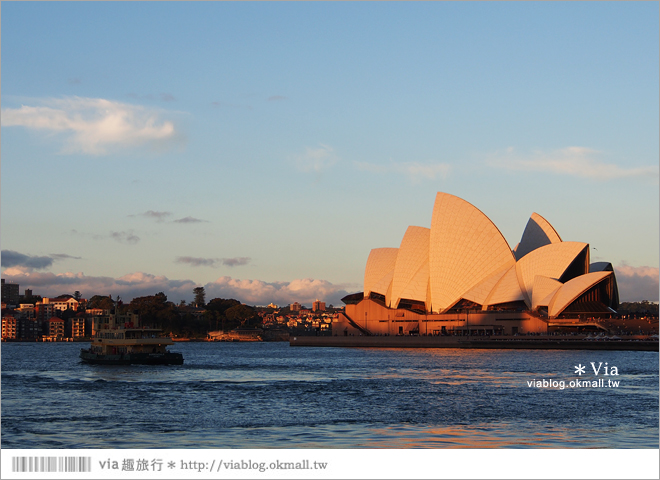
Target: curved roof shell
{"x":537,"y":233}
{"x":384,"y":286}
{"x":466,"y":248}
{"x":411,"y":270}
{"x":480,"y":292}
{"x":379,"y":270}
{"x":507,"y":289}
{"x":601,"y":267}
{"x":572,"y":289}
{"x":548,"y":261}
{"x":543,"y":290}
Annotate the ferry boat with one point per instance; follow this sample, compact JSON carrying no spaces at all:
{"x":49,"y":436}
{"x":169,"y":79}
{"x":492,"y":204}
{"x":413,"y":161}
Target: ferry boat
{"x":121,"y":340}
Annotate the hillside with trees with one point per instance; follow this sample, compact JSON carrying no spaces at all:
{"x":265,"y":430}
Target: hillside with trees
{"x":643,"y":308}
{"x":188,"y":321}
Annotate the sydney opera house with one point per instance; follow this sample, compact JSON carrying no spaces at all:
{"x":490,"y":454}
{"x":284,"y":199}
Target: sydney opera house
{"x":461,"y":277}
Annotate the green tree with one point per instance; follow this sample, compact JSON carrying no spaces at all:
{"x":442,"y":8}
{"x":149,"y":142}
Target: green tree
{"x":215,"y":312}
{"x":100,"y":301}
{"x":200,"y":295}
{"x":66,"y":314}
{"x":220,"y":305}
{"x":33,"y":299}
{"x":242,"y":315}
{"x":156,"y":311}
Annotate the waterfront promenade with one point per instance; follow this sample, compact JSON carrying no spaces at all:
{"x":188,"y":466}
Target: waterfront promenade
{"x":542,"y":342}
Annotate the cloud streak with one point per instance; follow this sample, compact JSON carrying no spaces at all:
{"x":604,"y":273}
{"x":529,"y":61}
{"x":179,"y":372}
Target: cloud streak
{"x":161,"y":216}
{"x":573,"y":161}
{"x":94,"y":126}
{"x":190,"y":220}
{"x":125,"y":237}
{"x":213,"y":262}
{"x":236,"y":261}
{"x":158,"y":216}
{"x":415,"y":171}
{"x":13,"y":259}
{"x":316,"y":159}
{"x":63,"y":256}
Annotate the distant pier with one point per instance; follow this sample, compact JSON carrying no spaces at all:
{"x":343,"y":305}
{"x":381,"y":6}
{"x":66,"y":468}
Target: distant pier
{"x":537,"y":342}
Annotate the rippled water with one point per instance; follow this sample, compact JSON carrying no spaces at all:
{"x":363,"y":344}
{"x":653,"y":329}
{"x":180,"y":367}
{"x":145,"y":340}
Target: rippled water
{"x":269,"y":395}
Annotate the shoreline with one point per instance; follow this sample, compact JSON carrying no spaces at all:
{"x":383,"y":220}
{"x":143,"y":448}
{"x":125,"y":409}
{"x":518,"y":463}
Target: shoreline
{"x":540,"y":342}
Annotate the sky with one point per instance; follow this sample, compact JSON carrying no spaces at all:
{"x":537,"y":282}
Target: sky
{"x":261,"y":150}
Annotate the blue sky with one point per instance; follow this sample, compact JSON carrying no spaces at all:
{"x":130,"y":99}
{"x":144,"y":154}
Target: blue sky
{"x":262,"y":149}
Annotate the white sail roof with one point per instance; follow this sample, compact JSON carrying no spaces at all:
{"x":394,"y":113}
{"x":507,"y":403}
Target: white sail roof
{"x":538,"y":233}
{"x":573,"y":289}
{"x":464,"y":256}
{"x":507,"y":289}
{"x":543,"y":289}
{"x":549,"y":261}
{"x":466,"y":248}
{"x":480,"y":292}
{"x":380,"y":267}
{"x":384,"y":285}
{"x":411,"y":270}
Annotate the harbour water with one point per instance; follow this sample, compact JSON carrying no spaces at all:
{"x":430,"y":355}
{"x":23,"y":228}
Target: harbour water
{"x":269,"y":395}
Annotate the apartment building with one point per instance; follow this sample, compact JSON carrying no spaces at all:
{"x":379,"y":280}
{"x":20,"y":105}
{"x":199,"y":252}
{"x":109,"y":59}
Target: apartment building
{"x":9,"y":328}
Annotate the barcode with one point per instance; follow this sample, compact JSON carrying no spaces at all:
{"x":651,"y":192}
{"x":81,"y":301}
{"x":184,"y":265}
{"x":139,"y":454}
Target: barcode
{"x":51,"y":464}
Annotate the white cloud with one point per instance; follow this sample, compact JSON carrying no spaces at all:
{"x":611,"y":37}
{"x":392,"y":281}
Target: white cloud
{"x":415,"y":171}
{"x":129,"y":286}
{"x":624,"y":269}
{"x":574,"y":161}
{"x":94,"y":126}
{"x":316,"y":159}
{"x":258,"y":292}
{"x":637,"y":283}
{"x":138,"y":284}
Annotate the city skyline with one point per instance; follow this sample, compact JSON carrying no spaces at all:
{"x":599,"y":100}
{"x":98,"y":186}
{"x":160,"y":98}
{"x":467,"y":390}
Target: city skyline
{"x":262,"y":150}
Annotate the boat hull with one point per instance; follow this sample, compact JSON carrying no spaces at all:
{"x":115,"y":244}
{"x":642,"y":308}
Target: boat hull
{"x":168,"y":358}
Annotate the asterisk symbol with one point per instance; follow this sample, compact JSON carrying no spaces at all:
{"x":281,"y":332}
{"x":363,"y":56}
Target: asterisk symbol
{"x":171,"y":465}
{"x":579,"y":369}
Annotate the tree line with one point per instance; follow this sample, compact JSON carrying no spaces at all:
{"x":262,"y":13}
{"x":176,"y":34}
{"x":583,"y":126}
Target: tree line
{"x":183,"y":320}
{"x":638,"y":308}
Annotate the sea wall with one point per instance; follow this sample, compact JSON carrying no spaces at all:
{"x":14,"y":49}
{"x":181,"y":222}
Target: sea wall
{"x":544,"y":342}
